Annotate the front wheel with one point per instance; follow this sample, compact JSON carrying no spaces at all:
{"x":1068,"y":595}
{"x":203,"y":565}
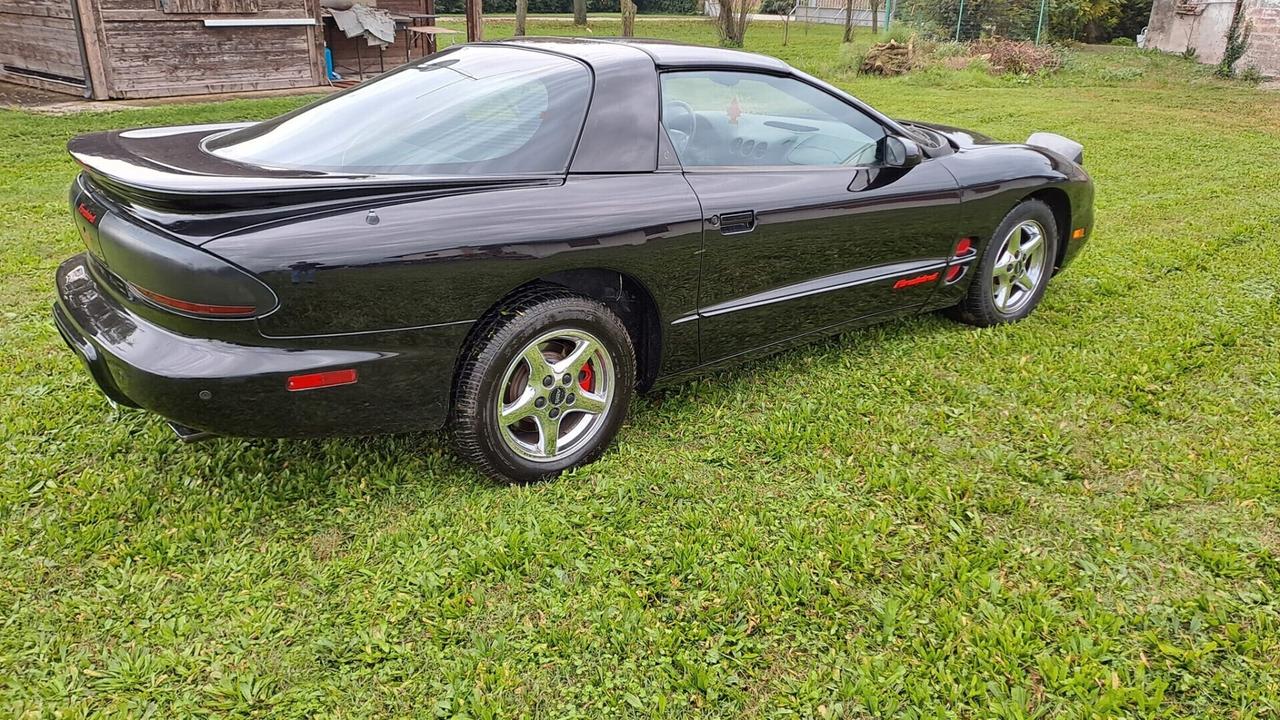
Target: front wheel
{"x":1015,"y":268}
{"x":543,"y":388}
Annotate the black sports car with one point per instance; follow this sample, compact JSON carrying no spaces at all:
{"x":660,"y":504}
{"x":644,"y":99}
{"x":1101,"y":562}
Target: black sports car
{"x":510,"y":238}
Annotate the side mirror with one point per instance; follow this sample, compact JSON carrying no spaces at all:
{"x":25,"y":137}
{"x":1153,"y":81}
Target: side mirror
{"x":900,"y":152}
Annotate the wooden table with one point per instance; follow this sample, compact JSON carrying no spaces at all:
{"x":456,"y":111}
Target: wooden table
{"x":429,"y":33}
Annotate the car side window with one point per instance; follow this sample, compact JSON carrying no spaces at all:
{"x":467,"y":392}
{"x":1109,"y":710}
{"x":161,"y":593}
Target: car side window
{"x":733,"y":118}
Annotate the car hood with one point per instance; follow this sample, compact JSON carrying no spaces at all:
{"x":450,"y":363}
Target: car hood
{"x":968,"y":139}
{"x":959,"y":136}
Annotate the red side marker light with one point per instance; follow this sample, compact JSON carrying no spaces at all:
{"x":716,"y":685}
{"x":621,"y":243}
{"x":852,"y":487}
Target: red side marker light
{"x":964,"y":247}
{"x":917,"y":280}
{"x":313,"y":381}
{"x":86,"y":213}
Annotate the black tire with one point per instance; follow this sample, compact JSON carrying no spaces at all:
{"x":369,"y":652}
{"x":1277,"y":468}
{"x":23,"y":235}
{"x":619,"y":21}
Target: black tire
{"x":498,"y":343}
{"x":979,"y":305}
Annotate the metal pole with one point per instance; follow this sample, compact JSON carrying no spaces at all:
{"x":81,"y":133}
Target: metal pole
{"x":1040,"y":22}
{"x":888,"y":14}
{"x":959,"y":17}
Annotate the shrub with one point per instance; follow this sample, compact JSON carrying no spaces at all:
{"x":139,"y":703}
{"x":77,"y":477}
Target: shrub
{"x":1124,"y":42}
{"x":1251,"y":75}
{"x":1120,"y":74}
{"x":899,"y":33}
{"x":945,"y":50}
{"x":978,"y":63}
{"x":1017,"y":57}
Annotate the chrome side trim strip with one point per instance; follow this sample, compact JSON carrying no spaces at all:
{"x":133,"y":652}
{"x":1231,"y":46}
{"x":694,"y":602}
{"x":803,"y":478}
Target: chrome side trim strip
{"x":818,"y":286}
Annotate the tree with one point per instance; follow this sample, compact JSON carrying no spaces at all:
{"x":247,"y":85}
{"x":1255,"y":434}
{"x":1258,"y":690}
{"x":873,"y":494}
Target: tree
{"x":781,"y":8}
{"x":475,"y":21}
{"x":579,"y":12}
{"x":875,"y":16}
{"x":628,"y":18}
{"x":522,"y":11}
{"x":731,"y":22}
{"x":848,"y":20}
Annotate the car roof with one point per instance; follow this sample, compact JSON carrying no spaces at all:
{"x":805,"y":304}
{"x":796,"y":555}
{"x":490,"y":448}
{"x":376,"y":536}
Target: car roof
{"x":662,"y":53}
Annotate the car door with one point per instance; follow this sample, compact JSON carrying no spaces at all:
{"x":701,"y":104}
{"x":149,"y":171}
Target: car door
{"x":804,"y":226}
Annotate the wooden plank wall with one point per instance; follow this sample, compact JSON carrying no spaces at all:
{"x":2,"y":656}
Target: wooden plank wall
{"x":148,"y":52}
{"x":344,"y":49}
{"x":40,"y":36}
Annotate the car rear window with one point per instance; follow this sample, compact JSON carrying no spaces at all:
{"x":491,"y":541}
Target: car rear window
{"x":469,"y":111}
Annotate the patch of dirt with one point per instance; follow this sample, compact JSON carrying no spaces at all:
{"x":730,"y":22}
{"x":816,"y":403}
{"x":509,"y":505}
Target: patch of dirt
{"x":327,"y":544}
{"x":13,"y":95}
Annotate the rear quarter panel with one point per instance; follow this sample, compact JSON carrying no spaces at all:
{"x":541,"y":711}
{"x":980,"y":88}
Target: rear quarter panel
{"x":448,"y":260}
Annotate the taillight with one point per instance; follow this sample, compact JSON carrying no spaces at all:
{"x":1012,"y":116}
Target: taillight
{"x":166,"y":273}
{"x":963,"y":247}
{"x":194,"y":308}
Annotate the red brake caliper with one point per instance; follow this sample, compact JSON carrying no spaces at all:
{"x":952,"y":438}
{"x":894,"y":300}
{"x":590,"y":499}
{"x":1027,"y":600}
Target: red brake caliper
{"x":587,"y":377}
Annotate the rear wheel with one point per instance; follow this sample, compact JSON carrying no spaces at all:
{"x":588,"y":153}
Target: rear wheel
{"x":1015,"y":268}
{"x":544,"y":387}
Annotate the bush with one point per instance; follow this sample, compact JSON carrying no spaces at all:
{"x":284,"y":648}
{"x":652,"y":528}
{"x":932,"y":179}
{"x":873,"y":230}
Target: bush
{"x":1251,"y":75}
{"x":1120,"y":74}
{"x":899,"y":34}
{"x":1020,"y":58}
{"x":1124,"y":42}
{"x":944,"y":50}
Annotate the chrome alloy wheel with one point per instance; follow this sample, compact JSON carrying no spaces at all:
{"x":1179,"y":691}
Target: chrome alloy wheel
{"x":555,"y":395}
{"x":1020,"y":267}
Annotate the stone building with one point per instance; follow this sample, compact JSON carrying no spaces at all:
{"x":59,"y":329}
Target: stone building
{"x":1202,"y":26}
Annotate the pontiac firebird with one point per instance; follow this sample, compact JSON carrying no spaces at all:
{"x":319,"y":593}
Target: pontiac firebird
{"x":511,"y":238}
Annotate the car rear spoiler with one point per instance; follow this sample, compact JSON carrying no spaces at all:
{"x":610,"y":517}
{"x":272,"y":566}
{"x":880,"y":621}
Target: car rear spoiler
{"x":1065,"y":147}
{"x":168,"y":168}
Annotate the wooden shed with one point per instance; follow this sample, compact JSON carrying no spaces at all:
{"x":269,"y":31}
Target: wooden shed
{"x":108,"y":49}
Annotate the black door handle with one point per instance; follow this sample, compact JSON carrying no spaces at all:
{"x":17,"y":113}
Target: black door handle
{"x":736,"y":223}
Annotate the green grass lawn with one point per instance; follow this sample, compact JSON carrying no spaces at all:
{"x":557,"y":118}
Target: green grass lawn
{"x":1077,"y":516}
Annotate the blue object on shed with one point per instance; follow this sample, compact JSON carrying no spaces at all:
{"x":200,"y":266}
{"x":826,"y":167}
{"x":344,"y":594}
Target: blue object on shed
{"x":328,"y":66}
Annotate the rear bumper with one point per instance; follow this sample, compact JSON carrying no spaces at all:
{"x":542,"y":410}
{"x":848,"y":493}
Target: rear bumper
{"x":237,"y":389}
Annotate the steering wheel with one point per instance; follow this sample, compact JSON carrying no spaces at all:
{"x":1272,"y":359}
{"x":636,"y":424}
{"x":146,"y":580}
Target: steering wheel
{"x":681,"y":123}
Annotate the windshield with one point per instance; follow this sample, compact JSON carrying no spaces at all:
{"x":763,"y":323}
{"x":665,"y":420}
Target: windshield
{"x":469,"y":111}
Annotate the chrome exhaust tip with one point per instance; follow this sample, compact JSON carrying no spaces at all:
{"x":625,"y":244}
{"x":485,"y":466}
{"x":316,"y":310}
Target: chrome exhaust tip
{"x":188,"y":434}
